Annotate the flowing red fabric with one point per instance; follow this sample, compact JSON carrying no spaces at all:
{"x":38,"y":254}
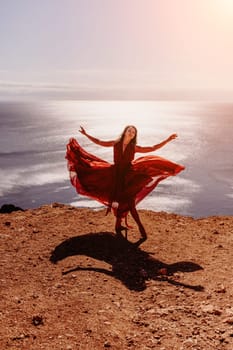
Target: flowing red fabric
{"x":125,"y":181}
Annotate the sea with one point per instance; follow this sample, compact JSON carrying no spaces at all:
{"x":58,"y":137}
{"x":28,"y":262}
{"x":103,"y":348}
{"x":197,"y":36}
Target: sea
{"x":34,"y":134}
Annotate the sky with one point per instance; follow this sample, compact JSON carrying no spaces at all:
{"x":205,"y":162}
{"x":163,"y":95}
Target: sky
{"x":116,"y":49}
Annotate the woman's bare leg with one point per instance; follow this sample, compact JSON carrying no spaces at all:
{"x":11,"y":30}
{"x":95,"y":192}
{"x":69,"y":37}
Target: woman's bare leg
{"x":118,"y":226}
{"x":135,"y":216}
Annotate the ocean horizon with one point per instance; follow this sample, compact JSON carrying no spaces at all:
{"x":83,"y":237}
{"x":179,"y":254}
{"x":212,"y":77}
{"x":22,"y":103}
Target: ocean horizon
{"x":33,"y":138}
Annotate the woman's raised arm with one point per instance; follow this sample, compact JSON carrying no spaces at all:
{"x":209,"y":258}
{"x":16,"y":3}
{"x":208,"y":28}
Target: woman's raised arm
{"x":95,"y":140}
{"x":142,"y":149}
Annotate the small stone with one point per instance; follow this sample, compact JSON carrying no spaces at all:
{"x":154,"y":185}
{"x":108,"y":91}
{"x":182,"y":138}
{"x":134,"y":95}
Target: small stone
{"x":217,"y":312}
{"x":117,"y":303}
{"x":100,"y":311}
{"x":228,"y":320}
{"x":162,"y":311}
{"x":211,"y":309}
{"x":107,"y":344}
{"x":229,"y":312}
{"x":57,"y":205}
{"x":35,"y":296}
{"x":151,"y":311}
{"x":221,"y":289}
{"x":220,"y":246}
{"x":19,"y":337}
{"x":37,"y":320}
{"x":188,"y":342}
{"x":17,"y":300}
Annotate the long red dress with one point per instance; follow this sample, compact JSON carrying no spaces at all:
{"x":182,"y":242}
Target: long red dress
{"x":125,"y":181}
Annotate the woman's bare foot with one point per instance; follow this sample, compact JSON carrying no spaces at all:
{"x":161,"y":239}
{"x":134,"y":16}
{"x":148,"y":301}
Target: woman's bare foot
{"x":119,"y":228}
{"x":143,"y":232}
{"x":140,"y":241}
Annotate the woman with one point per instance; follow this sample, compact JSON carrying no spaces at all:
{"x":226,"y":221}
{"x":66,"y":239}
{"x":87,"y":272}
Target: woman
{"x":121,"y":185}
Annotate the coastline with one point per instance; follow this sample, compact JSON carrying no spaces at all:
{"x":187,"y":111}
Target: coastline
{"x":66,"y":280}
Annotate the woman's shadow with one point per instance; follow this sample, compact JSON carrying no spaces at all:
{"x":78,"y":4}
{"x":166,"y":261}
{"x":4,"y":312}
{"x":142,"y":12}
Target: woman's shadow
{"x":131,"y":265}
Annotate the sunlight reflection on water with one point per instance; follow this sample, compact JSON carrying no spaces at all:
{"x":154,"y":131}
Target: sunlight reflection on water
{"x":204,"y":188}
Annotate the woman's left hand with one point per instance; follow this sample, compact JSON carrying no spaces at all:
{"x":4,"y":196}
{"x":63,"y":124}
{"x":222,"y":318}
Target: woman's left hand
{"x":172,"y":137}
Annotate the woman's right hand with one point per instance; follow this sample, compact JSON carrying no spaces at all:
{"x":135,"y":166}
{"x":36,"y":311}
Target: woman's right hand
{"x":82,"y":130}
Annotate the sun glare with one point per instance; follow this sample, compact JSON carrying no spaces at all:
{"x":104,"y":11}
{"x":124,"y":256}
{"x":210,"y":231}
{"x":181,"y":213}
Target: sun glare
{"x":225,"y":6}
{"x":221,"y":12}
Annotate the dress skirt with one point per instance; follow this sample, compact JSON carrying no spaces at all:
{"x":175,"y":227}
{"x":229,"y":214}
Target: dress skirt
{"x":107,"y":183}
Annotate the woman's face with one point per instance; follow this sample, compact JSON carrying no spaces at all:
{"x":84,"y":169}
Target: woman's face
{"x":130,"y":132}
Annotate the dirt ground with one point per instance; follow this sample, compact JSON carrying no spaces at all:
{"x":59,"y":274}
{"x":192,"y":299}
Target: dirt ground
{"x":67,"y":282}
